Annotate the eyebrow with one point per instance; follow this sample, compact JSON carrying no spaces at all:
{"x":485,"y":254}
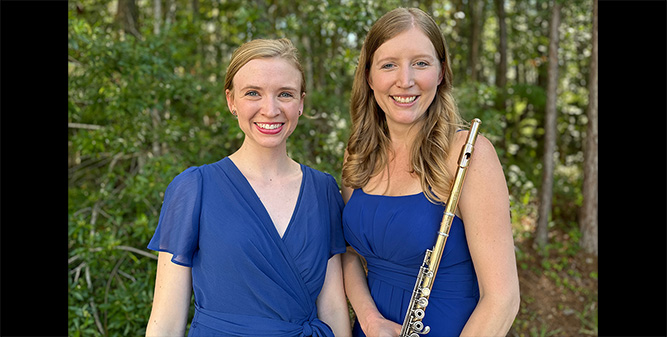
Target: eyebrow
{"x":418,"y":56}
{"x":255,"y":87}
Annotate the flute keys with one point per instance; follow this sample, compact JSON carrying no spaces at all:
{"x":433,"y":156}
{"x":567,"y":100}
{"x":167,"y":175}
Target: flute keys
{"x":419,"y":329}
{"x":419,"y":313}
{"x":423,"y":302}
{"x":425,"y":291}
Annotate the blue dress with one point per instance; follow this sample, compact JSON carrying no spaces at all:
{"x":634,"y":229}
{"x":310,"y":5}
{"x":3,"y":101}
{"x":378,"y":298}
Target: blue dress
{"x":247,"y":280}
{"x":392,"y":233}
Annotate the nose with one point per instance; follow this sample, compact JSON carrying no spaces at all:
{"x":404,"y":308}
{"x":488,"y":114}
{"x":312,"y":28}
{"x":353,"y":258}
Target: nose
{"x":271,"y":108}
{"x":405,"y":77}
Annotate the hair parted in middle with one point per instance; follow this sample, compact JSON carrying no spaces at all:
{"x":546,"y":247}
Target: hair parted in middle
{"x":369,"y":143}
{"x":263,"y":48}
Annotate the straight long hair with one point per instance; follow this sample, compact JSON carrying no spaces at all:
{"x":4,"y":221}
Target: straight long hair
{"x":369,"y":143}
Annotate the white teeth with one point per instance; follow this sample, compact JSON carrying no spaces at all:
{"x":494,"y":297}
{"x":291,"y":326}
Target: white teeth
{"x":404,"y":99}
{"x":269,"y":126}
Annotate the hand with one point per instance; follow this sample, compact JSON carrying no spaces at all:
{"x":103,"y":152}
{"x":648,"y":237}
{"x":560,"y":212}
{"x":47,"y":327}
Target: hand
{"x":382,"y":327}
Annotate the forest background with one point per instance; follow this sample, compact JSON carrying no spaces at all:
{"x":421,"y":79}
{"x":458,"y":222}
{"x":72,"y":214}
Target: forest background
{"x":146,"y":101}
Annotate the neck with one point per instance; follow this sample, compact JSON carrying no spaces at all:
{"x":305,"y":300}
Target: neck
{"x":258,"y":162}
{"x":403,"y":136}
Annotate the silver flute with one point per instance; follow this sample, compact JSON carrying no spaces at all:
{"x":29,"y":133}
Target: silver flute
{"x":413,"y":325}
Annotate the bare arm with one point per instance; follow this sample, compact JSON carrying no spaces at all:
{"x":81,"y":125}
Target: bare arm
{"x":331,"y":303}
{"x":371,"y":320}
{"x":171,"y":301}
{"x":484,"y":206}
{"x":356,"y":288}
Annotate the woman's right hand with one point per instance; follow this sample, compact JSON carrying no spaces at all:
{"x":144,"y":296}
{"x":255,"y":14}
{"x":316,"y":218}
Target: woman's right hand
{"x":382,"y":327}
{"x":356,"y":288}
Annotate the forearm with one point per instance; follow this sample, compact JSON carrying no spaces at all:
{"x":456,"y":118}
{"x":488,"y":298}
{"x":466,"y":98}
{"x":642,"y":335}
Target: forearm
{"x":356,"y":289}
{"x":331,"y":303}
{"x":492,"y":316}
{"x":164,"y":328}
{"x":337,"y":317}
{"x":171,"y":299}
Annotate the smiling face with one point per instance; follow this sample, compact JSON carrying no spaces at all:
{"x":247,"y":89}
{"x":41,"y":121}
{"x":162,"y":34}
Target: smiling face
{"x":267,"y":99}
{"x":404,"y":74}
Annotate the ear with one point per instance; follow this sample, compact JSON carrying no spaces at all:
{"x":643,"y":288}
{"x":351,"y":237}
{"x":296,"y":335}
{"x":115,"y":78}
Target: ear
{"x":442,"y":73}
{"x":303,"y":99}
{"x":230,"y":100}
{"x":369,"y":79}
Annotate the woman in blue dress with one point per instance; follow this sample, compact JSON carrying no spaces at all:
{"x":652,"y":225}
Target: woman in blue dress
{"x":400,"y":160}
{"x":256,"y":236}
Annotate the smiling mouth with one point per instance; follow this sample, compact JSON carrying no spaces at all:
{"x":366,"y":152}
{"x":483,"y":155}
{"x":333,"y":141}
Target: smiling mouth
{"x":269,"y":126}
{"x":406,"y":99}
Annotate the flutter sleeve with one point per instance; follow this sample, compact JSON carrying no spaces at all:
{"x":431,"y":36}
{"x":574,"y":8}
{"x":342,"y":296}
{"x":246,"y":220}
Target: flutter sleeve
{"x":177,"y":231}
{"x":336,"y":219}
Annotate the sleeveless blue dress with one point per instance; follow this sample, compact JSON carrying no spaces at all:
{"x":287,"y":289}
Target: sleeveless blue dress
{"x":247,"y":279}
{"x":392,"y":233}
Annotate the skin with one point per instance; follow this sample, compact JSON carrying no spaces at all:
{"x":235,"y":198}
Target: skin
{"x":266,"y":92}
{"x":403,"y":68}
{"x":267,"y":100}
{"x":488,"y":232}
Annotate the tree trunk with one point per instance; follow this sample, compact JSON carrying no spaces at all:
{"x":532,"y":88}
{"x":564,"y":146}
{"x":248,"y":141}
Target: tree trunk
{"x":308,"y":63}
{"x":157,"y":16}
{"x":458,"y":65}
{"x":170,"y":13}
{"x":588,"y":220}
{"x":127,"y":16}
{"x":501,"y":69}
{"x":195,"y":10}
{"x":546,"y":192}
{"x":476,"y":19}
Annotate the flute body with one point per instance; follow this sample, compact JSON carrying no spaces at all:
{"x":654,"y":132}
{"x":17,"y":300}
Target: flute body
{"x":413,"y":325}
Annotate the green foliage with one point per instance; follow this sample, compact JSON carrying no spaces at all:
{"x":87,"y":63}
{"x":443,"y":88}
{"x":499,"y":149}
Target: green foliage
{"x":141,"y":110}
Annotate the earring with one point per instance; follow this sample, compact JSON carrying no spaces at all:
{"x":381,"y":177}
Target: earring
{"x":300,"y":112}
{"x":234,"y":113}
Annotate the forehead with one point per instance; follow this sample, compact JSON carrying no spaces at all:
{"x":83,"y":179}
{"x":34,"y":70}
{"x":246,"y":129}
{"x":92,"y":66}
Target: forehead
{"x":266,"y":72}
{"x":409,"y":43}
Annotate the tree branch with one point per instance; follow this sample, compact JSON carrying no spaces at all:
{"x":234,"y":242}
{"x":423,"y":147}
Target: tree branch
{"x":138,"y":251}
{"x":84,"y":126}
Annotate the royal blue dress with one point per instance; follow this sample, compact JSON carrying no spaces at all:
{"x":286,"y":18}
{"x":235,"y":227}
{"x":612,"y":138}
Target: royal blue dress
{"x":392,"y":233}
{"x":247,"y":280}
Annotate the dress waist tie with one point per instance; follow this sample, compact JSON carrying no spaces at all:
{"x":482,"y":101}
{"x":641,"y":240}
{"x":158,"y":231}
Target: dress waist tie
{"x":446,"y":285}
{"x":244,"y":325}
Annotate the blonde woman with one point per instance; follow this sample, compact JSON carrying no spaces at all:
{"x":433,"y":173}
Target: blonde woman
{"x":400,"y":159}
{"x":255,"y":235}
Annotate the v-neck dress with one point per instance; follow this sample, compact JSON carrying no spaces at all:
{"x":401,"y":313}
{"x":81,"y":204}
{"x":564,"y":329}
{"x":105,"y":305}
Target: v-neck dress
{"x":392,"y":233}
{"x":247,"y":280}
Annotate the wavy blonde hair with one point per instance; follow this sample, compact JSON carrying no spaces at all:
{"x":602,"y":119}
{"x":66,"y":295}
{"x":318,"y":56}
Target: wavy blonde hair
{"x":369,"y":143}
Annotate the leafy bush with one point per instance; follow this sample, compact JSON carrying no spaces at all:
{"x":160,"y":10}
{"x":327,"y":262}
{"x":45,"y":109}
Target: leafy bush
{"x":141,"y":110}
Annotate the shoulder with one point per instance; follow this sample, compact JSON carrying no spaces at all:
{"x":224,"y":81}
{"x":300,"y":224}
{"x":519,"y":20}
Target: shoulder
{"x":483,"y":150}
{"x":324,"y":183}
{"x":485,"y":173}
{"x":186,"y":180}
{"x":319,"y":177}
{"x":194,"y":174}
{"x":189,"y":174}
